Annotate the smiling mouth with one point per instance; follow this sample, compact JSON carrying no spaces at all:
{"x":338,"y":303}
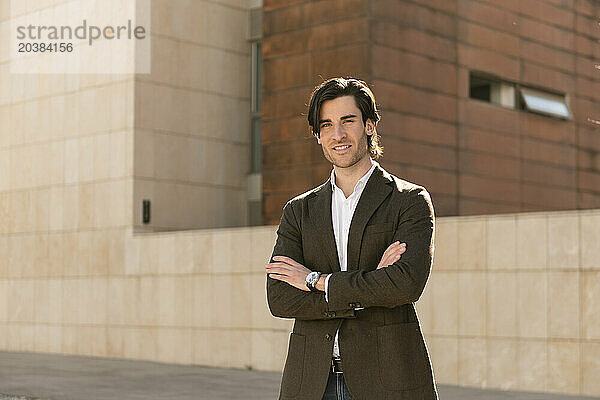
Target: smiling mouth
{"x":341,"y":147}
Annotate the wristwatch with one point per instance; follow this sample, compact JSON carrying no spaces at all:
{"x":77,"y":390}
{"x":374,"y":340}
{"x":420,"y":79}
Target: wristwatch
{"x":311,"y":280}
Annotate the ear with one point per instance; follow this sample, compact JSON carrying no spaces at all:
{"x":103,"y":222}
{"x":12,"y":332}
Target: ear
{"x":370,"y":127}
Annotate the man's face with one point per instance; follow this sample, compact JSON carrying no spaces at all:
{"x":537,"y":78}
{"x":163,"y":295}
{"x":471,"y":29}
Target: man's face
{"x":343,"y":136}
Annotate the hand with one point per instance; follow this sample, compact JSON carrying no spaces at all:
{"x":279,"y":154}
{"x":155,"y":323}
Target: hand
{"x":392,"y":254}
{"x":289,"y":271}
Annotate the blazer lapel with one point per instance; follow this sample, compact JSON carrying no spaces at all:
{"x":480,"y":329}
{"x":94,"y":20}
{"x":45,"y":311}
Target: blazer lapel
{"x":376,"y":190}
{"x":319,"y":209}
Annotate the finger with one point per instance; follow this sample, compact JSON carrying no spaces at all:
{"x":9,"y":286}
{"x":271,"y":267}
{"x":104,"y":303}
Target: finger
{"x":390,"y":254}
{"x":396,"y":246}
{"x":279,"y":265}
{"x":394,"y":258}
{"x":387,"y":258}
{"x":390,"y":260}
{"x":282,"y":268}
{"x":398,"y":250}
{"x":387,"y":253}
{"x":279,"y":277}
{"x":390,"y":249}
{"x":286,"y":260}
{"x":387,"y":261}
{"x":393,"y":245}
{"x":278,"y":271}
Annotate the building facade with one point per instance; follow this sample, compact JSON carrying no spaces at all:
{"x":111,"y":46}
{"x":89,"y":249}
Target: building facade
{"x":453,"y":81}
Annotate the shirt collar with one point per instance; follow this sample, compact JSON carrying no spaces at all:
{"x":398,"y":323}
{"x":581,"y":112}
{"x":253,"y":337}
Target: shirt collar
{"x":361,"y":182}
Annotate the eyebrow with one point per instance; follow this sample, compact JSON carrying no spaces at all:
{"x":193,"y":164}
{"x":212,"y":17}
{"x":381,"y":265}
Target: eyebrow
{"x":342,"y":118}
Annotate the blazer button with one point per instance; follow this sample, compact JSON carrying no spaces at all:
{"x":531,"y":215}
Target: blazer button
{"x":328,"y":337}
{"x":352,"y":305}
{"x":357,"y":305}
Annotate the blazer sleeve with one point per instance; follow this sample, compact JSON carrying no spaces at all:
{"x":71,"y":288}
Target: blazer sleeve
{"x":401,"y":282}
{"x":285,"y":300}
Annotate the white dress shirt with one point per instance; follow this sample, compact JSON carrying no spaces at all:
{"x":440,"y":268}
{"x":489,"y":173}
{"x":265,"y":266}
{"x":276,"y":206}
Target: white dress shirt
{"x":342,"y":210}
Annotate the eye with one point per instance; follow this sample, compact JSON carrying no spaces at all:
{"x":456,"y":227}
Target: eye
{"x":349,"y":121}
{"x":325,"y":125}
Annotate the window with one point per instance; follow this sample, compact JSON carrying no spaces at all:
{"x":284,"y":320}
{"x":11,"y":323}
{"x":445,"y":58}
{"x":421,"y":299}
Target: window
{"x":256,"y":107}
{"x":255,"y":33}
{"x":544,"y":103}
{"x":494,"y":90}
{"x":254,"y":179}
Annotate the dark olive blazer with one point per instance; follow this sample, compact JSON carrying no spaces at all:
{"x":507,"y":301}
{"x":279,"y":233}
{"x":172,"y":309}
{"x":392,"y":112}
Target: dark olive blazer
{"x":382,"y":348}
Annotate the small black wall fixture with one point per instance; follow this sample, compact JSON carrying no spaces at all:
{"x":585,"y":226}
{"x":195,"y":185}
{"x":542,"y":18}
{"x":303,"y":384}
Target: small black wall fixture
{"x":146,"y":211}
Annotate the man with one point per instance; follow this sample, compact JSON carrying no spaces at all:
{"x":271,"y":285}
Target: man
{"x":339,"y":269}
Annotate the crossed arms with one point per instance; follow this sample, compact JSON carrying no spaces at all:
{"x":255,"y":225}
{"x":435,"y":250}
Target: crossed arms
{"x":288,"y":270}
{"x":398,"y":279}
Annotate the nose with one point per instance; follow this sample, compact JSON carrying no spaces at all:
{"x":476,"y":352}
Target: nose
{"x":338,"y":132}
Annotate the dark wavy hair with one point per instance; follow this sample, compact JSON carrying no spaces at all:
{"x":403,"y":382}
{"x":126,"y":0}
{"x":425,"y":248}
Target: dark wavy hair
{"x":365,"y":101}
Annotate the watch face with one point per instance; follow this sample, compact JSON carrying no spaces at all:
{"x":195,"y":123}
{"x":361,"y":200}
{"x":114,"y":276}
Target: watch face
{"x":311,"y":278}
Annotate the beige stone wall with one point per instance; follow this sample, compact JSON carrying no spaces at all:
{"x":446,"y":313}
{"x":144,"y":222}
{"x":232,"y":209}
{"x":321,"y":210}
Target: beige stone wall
{"x":192,"y":125}
{"x":186,"y":149}
{"x":92,"y":147}
{"x":511,"y":302}
{"x":78,"y":153}
{"x":66,"y":149}
{"x":66,"y":167}
{"x":194,"y":297}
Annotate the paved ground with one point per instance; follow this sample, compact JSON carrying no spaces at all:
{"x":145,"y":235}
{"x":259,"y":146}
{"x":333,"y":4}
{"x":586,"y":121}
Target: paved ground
{"x":26,"y":376}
